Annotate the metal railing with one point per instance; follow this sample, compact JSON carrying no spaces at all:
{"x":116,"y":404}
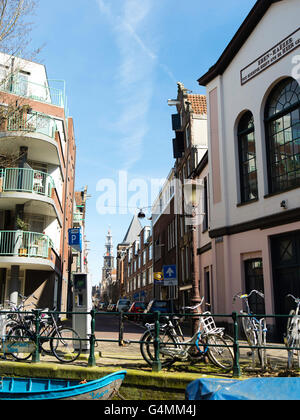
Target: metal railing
{"x":41,"y":93}
{"x":26,"y":180}
{"x":20,"y":243}
{"x":33,"y":122}
{"x":91,"y":338}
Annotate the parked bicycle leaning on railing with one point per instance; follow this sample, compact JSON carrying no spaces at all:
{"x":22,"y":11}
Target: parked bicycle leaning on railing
{"x":50,"y":337}
{"x":254,"y":329}
{"x":208,"y":341}
{"x":292,"y":337}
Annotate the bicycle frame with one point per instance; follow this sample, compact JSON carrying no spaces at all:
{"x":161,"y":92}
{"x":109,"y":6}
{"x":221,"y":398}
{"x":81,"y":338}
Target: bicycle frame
{"x":181,"y":349}
{"x":293,"y":334}
{"x":257,"y":341}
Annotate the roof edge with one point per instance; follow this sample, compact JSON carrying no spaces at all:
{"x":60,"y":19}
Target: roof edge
{"x":241,"y":36}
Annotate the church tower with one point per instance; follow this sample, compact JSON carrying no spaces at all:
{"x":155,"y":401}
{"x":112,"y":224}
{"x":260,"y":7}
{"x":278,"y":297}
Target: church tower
{"x":108,"y":269}
{"x":109,"y":252}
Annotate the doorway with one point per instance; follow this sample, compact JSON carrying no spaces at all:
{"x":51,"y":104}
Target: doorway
{"x":286,"y":274}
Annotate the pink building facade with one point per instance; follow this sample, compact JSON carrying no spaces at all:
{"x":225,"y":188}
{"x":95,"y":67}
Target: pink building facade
{"x":253,"y":98}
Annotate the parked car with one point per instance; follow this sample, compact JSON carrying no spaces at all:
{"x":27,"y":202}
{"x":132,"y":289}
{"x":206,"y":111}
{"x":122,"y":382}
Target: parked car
{"x":123,"y":305}
{"x":111,"y":307}
{"x":155,"y":305}
{"x":102,"y":306}
{"x":136,"y":309}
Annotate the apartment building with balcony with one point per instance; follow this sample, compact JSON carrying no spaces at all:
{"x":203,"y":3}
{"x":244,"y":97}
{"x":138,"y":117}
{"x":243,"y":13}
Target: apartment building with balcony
{"x":37,"y":172}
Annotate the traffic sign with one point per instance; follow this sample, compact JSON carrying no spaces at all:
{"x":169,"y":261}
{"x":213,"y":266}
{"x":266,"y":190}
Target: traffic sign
{"x":75,"y":239}
{"x":158,"y":278}
{"x":170,"y":275}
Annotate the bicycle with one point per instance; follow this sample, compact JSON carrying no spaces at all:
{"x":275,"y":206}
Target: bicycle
{"x":254,"y":329}
{"x":292,"y":337}
{"x":63,"y":342}
{"x":207,"y":341}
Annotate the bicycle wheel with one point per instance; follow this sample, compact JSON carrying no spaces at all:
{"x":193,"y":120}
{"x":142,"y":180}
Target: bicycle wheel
{"x":290,"y":322}
{"x":148,"y":350}
{"x":218,"y":352}
{"x":20,"y":337}
{"x":66,"y":344}
{"x":45,"y":341}
{"x":292,"y":338}
{"x":262,"y":341}
{"x":250,"y":334}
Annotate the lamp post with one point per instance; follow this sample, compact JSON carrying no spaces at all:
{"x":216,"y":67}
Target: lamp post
{"x":192,"y":188}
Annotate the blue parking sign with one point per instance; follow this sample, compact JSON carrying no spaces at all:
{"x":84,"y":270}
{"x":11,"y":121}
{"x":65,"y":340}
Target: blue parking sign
{"x":75,"y":239}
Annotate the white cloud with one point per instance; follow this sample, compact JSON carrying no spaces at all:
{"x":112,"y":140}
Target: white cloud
{"x":135,"y":75}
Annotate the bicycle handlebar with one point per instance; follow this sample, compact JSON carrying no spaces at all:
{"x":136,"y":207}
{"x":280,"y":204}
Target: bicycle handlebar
{"x":246,"y":296}
{"x":194,"y":307}
{"x":297,"y":300}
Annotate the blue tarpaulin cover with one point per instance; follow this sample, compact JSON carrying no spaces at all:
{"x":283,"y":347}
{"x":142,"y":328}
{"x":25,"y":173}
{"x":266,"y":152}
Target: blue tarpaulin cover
{"x":250,"y":389}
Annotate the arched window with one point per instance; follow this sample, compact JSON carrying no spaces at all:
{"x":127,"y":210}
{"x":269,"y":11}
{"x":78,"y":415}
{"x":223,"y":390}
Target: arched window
{"x":247,"y":158}
{"x":282,"y":119}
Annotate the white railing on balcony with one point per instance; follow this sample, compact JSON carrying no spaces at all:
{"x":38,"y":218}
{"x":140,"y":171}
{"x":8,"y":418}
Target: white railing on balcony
{"x":42,"y":93}
{"x":24,"y":244}
{"x":26,"y":180}
{"x":33,"y":122}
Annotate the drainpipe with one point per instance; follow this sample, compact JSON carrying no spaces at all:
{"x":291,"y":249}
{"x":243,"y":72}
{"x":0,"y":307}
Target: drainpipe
{"x":64,"y":219}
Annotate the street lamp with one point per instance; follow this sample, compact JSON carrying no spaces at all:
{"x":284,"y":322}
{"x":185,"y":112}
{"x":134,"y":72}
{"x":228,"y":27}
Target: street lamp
{"x":141,"y":214}
{"x":192,"y":199}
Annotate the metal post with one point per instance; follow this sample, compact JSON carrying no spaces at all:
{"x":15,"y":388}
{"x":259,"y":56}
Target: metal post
{"x":156,"y":367}
{"x":121,"y":330}
{"x":236,"y":349}
{"x":36,"y":353}
{"x":92,"y":360}
{"x":196,"y":279}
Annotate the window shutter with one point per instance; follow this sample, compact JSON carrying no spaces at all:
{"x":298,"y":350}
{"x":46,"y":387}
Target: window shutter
{"x":176,"y":123}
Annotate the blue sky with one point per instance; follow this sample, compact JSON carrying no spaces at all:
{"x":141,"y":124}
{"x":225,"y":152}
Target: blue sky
{"x":121,"y":60}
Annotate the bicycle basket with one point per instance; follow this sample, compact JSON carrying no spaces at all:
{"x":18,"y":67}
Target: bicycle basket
{"x":208,"y":324}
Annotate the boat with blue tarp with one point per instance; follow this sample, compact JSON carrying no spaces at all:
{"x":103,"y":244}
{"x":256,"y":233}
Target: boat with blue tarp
{"x":61,"y":389}
{"x":249,"y":389}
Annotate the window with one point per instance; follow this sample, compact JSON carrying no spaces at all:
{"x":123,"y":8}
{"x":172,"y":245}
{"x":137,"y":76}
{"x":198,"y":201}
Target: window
{"x":254,"y":280}
{"x":171,"y":235}
{"x":150,"y":252}
{"x":187,"y":136}
{"x":205,"y":206}
{"x":150,"y":275}
{"x":21,"y":84}
{"x":187,"y":267}
{"x":247,"y":158}
{"x":282,"y":122}
{"x":147,"y":234}
{"x":207,"y":293}
{"x":143,"y":279}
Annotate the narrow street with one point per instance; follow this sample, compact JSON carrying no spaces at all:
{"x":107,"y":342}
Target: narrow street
{"x":107,"y":327}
